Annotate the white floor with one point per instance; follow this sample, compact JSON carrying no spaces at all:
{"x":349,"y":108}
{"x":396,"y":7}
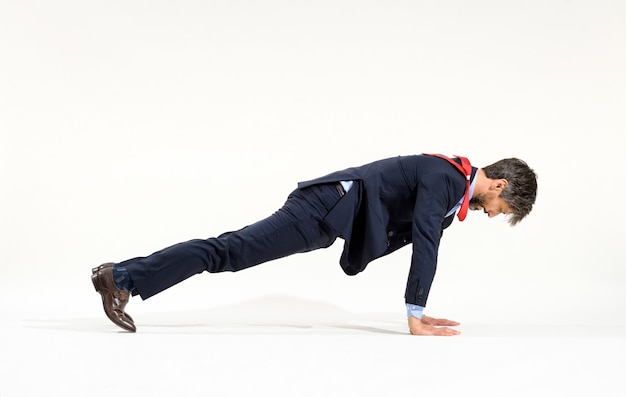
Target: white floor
{"x":129,"y":126}
{"x":278,"y":350}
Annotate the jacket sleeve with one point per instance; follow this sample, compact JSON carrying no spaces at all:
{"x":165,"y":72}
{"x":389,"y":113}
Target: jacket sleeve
{"x":431,"y":205}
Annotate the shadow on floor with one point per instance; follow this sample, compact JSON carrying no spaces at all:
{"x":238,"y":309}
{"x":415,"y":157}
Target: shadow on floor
{"x":266,"y":315}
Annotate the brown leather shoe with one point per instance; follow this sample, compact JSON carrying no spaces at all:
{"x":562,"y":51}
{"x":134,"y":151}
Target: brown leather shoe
{"x":113,"y":299}
{"x":102,"y":267}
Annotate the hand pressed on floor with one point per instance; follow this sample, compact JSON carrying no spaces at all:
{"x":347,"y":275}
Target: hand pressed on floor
{"x":432,"y":326}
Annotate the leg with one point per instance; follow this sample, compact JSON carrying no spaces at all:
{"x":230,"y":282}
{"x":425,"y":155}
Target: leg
{"x":297,"y":227}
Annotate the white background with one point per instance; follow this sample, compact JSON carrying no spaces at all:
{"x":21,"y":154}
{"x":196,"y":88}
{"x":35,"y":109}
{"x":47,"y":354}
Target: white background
{"x":128,"y":126}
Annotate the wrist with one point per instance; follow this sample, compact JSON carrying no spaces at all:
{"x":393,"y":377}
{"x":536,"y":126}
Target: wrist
{"x":414,"y":310}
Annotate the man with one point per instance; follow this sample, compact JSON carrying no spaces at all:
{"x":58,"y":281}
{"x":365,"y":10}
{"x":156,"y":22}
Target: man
{"x":376,"y":209}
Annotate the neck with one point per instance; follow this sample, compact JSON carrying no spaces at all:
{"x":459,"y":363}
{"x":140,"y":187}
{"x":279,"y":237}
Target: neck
{"x":482,"y":183}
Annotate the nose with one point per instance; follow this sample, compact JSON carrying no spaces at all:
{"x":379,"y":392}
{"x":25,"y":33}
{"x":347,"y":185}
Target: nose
{"x":493,"y":213}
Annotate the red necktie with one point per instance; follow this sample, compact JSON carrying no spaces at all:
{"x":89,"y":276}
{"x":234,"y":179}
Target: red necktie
{"x":466,"y":169}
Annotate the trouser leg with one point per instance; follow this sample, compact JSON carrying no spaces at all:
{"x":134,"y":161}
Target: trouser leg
{"x":297,"y":227}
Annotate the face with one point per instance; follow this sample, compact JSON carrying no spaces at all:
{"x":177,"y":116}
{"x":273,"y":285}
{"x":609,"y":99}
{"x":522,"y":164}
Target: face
{"x":490,"y":203}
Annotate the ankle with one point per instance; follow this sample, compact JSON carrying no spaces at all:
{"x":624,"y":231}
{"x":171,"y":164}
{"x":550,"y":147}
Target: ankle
{"x":122,"y":278}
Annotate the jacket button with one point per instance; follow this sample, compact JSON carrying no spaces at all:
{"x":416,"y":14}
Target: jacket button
{"x":390,"y":233}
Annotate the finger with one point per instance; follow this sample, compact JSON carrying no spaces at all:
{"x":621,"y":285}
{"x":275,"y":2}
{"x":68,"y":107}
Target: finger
{"x":445,"y":331}
{"x":438,"y":321}
{"x":433,"y":331}
{"x":443,"y":321}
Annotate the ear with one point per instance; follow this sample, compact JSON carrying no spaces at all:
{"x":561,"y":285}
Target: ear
{"x":498,"y":185}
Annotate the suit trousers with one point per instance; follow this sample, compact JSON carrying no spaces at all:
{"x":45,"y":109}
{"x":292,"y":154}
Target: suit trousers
{"x":299,"y":226}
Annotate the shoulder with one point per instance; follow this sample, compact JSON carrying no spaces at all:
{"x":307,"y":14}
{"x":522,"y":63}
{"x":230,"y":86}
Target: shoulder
{"x":428,"y":168}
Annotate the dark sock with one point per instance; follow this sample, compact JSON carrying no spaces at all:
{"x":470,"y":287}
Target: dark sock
{"x":122,"y":278}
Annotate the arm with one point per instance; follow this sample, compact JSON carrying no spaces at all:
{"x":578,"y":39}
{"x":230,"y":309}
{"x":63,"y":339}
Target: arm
{"x":431,"y":207}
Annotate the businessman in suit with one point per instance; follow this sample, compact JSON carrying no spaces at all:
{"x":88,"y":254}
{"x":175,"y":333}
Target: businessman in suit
{"x":376,"y":209}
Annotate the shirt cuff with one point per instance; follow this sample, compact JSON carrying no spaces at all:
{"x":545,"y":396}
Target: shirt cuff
{"x":414,"y":310}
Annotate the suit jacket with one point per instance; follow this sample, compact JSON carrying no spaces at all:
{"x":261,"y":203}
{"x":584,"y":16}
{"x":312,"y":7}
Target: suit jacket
{"x":396,"y":201}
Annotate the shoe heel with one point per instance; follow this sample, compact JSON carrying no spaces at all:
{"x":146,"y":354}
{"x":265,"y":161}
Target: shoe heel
{"x":96,"y":282}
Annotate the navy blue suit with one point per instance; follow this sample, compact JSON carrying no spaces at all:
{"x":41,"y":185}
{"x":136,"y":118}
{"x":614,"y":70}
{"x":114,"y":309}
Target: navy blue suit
{"x":393,"y":202}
